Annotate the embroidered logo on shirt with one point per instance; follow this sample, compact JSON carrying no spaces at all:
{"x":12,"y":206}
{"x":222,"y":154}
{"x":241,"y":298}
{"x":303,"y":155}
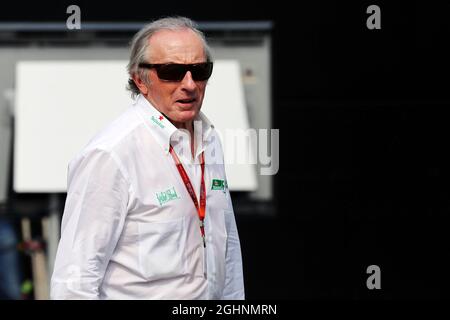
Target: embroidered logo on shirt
{"x":158,"y":121}
{"x":166,"y":196}
{"x":218,"y":184}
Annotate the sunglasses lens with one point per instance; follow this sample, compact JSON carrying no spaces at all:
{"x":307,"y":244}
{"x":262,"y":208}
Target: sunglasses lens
{"x":176,"y":72}
{"x":171,"y":72}
{"x":202,"y":71}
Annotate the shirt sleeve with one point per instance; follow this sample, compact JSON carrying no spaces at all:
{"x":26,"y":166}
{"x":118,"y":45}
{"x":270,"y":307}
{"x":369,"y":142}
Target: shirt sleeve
{"x":93,"y":219}
{"x":234,"y":278}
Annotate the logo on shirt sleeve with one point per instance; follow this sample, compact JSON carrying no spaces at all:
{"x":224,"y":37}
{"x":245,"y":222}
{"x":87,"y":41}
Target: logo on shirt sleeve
{"x":166,"y":196}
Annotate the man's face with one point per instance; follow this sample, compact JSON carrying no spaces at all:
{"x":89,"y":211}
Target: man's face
{"x":180,"y":101}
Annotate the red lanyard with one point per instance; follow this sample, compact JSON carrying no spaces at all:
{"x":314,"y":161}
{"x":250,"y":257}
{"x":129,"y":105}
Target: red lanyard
{"x":201,"y":210}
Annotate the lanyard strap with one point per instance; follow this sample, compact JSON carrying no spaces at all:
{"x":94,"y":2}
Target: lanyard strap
{"x":201,"y":209}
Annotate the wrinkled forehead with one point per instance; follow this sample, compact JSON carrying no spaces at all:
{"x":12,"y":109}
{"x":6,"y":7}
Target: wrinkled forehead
{"x":181,"y":46}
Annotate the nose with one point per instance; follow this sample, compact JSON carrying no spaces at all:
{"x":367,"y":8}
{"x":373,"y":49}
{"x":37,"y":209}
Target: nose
{"x":188,"y":83}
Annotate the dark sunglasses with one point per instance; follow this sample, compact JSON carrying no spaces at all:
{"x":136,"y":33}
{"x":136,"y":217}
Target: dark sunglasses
{"x":176,"y":71}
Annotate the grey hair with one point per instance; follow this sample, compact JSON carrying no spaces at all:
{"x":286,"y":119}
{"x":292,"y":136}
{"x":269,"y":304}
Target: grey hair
{"x":139,"y":45}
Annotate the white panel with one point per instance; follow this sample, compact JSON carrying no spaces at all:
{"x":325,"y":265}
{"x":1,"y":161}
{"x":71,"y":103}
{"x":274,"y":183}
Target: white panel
{"x":60,"y":105}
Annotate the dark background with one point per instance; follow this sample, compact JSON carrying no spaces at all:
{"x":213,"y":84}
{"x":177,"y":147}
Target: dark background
{"x":363,"y":118}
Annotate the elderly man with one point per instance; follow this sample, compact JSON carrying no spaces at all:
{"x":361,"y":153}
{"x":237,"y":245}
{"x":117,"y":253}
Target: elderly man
{"x":148,"y":213}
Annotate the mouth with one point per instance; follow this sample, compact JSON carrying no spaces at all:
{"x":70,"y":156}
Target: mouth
{"x":186,"y":102}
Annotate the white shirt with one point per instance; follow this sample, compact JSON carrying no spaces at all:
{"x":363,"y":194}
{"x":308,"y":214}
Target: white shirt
{"x":130,"y":229}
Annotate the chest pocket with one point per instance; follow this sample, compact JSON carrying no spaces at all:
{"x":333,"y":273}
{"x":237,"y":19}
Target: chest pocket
{"x":161,"y":249}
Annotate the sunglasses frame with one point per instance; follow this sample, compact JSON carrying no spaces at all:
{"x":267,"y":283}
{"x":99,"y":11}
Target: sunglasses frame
{"x":187,"y":67}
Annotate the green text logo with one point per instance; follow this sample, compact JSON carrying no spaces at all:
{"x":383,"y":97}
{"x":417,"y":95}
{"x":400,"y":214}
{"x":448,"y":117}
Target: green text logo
{"x":166,"y":196}
{"x":218,"y":184}
{"x":158,"y":121}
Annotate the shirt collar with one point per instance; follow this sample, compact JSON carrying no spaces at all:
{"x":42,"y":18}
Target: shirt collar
{"x":162,"y":129}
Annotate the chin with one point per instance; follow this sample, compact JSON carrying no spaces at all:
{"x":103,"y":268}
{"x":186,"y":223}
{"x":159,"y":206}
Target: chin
{"x":188,"y":115}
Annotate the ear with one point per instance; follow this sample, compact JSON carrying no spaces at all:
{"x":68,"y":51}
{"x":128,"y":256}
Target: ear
{"x":140,"y":84}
